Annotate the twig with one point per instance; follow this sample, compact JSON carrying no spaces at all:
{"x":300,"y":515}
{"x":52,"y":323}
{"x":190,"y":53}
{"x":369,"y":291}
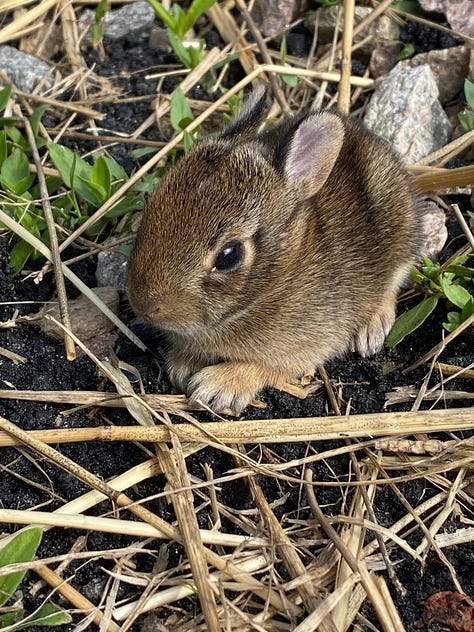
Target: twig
{"x":463,"y":224}
{"x":356,"y":566}
{"x":441,"y":345}
{"x":53,"y":238}
{"x":344,"y":98}
{"x":122,"y":500}
{"x":15,"y":227}
{"x":74,"y":596}
{"x":270,"y":430}
{"x":276,"y":86}
{"x":363,"y":490}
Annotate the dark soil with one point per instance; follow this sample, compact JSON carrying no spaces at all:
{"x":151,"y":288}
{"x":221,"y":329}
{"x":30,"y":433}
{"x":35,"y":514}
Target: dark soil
{"x":35,"y":483}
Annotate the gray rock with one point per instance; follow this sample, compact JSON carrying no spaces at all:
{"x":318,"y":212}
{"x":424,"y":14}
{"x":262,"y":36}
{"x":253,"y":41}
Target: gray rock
{"x":129,"y":18}
{"x":450,"y":67}
{"x":24,"y":70}
{"x":112,"y":267}
{"x":459,"y":13}
{"x":405,"y":110}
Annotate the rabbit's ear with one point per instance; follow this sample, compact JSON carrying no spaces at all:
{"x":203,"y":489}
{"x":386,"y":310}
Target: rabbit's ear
{"x":251,"y":115}
{"x":312,"y":152}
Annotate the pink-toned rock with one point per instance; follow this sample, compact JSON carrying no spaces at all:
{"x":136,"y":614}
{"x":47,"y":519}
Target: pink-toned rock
{"x":87,"y":320}
{"x":450,"y":66}
{"x":459,"y":13}
{"x":434,"y":228}
{"x":273,"y":16}
{"x":382,"y":60}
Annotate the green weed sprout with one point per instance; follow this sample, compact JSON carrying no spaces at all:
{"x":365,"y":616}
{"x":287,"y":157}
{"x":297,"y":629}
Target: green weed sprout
{"x":75,"y":195}
{"x":466,"y":117}
{"x":22,"y":548}
{"x":178,"y":23}
{"x":181,"y":116}
{"x":450,"y":284}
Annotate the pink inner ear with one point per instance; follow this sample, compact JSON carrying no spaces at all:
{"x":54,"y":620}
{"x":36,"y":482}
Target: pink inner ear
{"x":314,"y":150}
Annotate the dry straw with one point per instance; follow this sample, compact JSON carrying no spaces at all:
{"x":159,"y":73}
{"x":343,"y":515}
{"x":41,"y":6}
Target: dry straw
{"x":270,"y":572}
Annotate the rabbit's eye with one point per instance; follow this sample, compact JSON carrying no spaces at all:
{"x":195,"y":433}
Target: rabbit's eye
{"x":229,"y":257}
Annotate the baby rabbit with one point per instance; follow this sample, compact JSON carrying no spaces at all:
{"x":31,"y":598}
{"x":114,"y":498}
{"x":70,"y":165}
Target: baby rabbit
{"x":263,"y":254}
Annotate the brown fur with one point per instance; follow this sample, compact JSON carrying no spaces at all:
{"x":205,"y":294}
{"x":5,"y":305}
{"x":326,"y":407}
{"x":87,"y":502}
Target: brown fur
{"x":325,"y":255}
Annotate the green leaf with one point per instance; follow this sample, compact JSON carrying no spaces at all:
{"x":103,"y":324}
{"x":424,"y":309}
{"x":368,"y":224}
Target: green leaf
{"x":3,"y":147}
{"x":283,"y":50}
{"x":116,"y":171}
{"x":97,"y":33}
{"x":179,"y":50}
{"x":180,"y":112}
{"x":188,"y":141}
{"x":101,"y":175}
{"x":430,"y":269}
{"x":456,"y":294}
{"x":454,"y":320}
{"x":17,"y":137}
{"x":409,"y":6}
{"x":69,"y":164}
{"x":100,"y":11}
{"x":195,"y":51}
{"x":126,"y":204}
{"x":93,"y":193}
{"x":466,"y":118}
{"x":5,"y":96}
{"x":164,"y":15}
{"x":76,"y":174}
{"x":48,"y":615}
{"x":469,"y":92}
{"x":290,"y":80}
{"x":35,"y":119}
{"x":15,"y":172}
{"x":142,"y":151}
{"x":462,"y":272}
{"x":411,"y":320}
{"x":10,"y":618}
{"x":406,"y":52}
{"x":416,"y":276}
{"x":196,"y":9}
{"x":468,"y":309}
{"x":22,"y":548}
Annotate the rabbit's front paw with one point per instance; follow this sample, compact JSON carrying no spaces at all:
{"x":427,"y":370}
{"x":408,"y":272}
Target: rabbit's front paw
{"x":227,"y":387}
{"x":370,"y":338}
{"x":180,"y":367}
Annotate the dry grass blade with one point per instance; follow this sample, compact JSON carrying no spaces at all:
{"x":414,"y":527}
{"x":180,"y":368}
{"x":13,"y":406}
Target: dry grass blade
{"x":74,"y":597}
{"x":344,"y":97}
{"x":12,"y":30}
{"x":263,"y":563}
{"x":174,"y":467}
{"x":226,"y":26}
{"x":274,"y":430}
{"x":53,"y":237}
{"x":431,"y":179}
{"x":15,"y":227}
{"x":286,"y":550}
{"x":113,"y":525}
{"x":388,"y":618}
{"x":144,"y":514}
